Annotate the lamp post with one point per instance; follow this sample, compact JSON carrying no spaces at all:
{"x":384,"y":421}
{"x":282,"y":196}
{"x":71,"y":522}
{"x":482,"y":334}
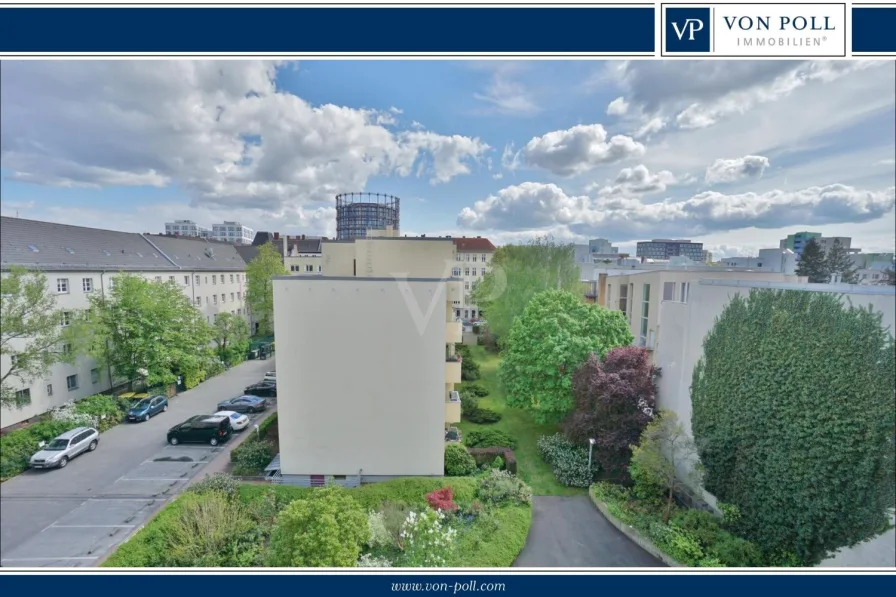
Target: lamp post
{"x":591,"y":443}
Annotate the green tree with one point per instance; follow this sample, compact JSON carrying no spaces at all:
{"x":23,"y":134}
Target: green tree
{"x":812,"y":264}
{"x":31,"y":332}
{"x":665,"y":460}
{"x":555,"y":334}
{"x":794,"y":421}
{"x":148,"y":330}
{"x":325,"y":530}
{"x":231,"y":337}
{"x":889,"y":278}
{"x":837,"y":261}
{"x":517,"y":273}
{"x":260,"y":286}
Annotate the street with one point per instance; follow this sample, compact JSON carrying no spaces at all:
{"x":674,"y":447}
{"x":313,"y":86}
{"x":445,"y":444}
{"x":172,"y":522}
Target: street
{"x":77,"y":515}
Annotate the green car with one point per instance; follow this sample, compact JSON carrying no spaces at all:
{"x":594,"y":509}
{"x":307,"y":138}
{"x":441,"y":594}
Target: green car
{"x":147,"y":407}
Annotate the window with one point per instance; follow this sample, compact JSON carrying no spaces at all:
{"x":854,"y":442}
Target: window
{"x":238,"y":297}
{"x":62,"y":285}
{"x":186,"y":280}
{"x":645,"y":311}
{"x":14,"y":360}
{"x":319,"y":269}
{"x":171,"y":278}
{"x":214,"y":279}
{"x":49,"y":389}
{"x":206,"y":300}
{"x":87,"y":284}
{"x":309,"y":268}
{"x":685,"y":289}
{"x":668,"y":291}
{"x":23,"y":397}
{"x":66,"y":349}
{"x":623,"y":298}
{"x":231,"y":297}
{"x":293,"y":268}
{"x":474,"y":258}
{"x":66,"y":318}
{"x":483,"y":258}
{"x":111,"y":283}
{"x":459,"y":257}
{"x":466,"y":313}
{"x":466,"y":271}
{"x":215,"y":299}
{"x":468,"y":256}
{"x":198,"y":301}
{"x":455,"y":272}
{"x":206,"y":279}
{"x":467,"y":285}
{"x":474,"y":270}
{"x":94,"y":375}
{"x":197,"y":280}
{"x":223,"y":298}
{"x":231,"y":278}
{"x":158,"y":278}
{"x":71,"y":382}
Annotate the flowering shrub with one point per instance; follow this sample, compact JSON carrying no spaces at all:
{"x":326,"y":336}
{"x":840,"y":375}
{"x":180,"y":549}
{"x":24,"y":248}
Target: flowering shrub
{"x":369,"y":561}
{"x":427,"y":539}
{"x":568,"y":462}
{"x":379,"y":532}
{"x":442,"y":499}
{"x":68,"y":413}
{"x":502,"y":486}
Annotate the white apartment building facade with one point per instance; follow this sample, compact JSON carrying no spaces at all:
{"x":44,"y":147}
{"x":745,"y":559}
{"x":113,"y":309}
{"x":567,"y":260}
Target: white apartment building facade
{"x":366,"y":358}
{"x":472,"y":261}
{"x":233,"y":232}
{"x":782,"y":261}
{"x":80,"y":262}
{"x":187,"y":228}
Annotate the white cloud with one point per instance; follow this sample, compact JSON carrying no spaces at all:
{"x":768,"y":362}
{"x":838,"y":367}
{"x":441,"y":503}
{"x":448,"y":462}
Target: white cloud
{"x":889,"y":162}
{"x":221,"y":131}
{"x":395,"y":110}
{"x":579,"y":149}
{"x":638,"y":181}
{"x":651,"y":127}
{"x":617,"y":107}
{"x":751,"y":166}
{"x":506,"y":95}
{"x":542,"y":206}
{"x":510,"y":158}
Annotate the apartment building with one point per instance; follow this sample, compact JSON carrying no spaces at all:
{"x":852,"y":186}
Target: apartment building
{"x":602,"y":246}
{"x":302,"y":256}
{"x":366,"y":361}
{"x":640,"y":294}
{"x":663,"y":248}
{"x":233,"y":232}
{"x":79,"y":262}
{"x":782,"y":261}
{"x":187,"y":228}
{"x":872,"y":267}
{"x":797,"y":242}
{"x":472,"y":261}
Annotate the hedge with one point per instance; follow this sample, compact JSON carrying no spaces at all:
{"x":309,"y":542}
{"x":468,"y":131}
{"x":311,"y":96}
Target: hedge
{"x":486,"y":456}
{"x":17,"y":447}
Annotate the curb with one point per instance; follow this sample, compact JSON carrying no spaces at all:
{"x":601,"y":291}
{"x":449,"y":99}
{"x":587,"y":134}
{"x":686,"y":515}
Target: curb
{"x":634,"y":535}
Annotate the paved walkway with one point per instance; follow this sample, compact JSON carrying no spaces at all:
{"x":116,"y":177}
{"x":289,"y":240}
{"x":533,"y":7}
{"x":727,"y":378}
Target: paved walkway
{"x":75,"y":516}
{"x":880,"y":552}
{"x":570,"y":532}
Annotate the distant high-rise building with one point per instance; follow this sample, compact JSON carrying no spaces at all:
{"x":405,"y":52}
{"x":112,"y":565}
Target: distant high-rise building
{"x":602,"y":246}
{"x":797,"y":242}
{"x":707,"y":256}
{"x":826,"y":242}
{"x":663,"y":248}
{"x":233,"y":232}
{"x":187,"y":228}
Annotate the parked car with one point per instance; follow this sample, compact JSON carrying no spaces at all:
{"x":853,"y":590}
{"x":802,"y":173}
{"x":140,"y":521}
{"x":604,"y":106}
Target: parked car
{"x":270,"y":376}
{"x":244,"y":404}
{"x":263,"y":388}
{"x":238,"y":421}
{"x":201,"y":429}
{"x":147,"y":407}
{"x":59,"y":451}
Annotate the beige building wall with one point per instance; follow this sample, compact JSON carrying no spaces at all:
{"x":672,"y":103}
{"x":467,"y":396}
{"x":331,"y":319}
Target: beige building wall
{"x":362,"y":375}
{"x":304,"y":264}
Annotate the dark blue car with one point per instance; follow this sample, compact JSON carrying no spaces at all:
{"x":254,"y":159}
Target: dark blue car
{"x":147,"y":408}
{"x":244,"y":404}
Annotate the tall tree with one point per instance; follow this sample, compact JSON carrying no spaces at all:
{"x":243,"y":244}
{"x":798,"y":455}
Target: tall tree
{"x":517,"y":273}
{"x":260,"y":286}
{"x":889,"y":278}
{"x":31,"y":332}
{"x":837,"y":262}
{"x":555,"y":334}
{"x":813,"y":264}
{"x":148,"y":330}
{"x":232,"y":337}
{"x":794,"y":420}
{"x":615,"y":399}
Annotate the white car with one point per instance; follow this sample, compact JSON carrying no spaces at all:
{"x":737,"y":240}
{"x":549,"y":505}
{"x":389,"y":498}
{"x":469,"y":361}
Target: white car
{"x":270,"y":376}
{"x":238,"y":421}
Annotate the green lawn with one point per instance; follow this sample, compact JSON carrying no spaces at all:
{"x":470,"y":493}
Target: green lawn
{"x":521,"y":426}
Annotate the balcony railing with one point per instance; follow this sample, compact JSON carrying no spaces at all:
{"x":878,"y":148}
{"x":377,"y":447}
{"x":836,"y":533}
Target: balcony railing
{"x":452,"y":369}
{"x":454,"y":332}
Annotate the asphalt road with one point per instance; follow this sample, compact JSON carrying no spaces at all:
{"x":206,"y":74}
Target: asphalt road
{"x":571,"y":532}
{"x":76,"y":515}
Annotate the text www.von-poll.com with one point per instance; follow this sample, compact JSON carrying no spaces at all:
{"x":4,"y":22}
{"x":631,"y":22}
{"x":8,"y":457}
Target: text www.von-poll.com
{"x":471,"y":586}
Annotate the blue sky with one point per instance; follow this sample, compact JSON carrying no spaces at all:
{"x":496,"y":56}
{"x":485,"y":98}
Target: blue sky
{"x":736,"y":154}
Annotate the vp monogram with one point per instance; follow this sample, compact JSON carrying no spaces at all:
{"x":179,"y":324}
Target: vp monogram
{"x":690,"y":27}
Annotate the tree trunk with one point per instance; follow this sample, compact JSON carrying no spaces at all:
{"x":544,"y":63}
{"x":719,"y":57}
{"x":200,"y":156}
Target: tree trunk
{"x":668,"y":512}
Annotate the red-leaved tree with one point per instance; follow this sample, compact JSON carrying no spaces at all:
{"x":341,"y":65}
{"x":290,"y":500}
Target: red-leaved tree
{"x":442,"y":499}
{"x":615,"y":399}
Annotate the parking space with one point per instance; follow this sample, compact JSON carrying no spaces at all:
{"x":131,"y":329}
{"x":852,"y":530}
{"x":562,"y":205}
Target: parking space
{"x":74,"y":517}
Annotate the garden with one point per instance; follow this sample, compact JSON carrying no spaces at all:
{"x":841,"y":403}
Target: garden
{"x":474,"y":521}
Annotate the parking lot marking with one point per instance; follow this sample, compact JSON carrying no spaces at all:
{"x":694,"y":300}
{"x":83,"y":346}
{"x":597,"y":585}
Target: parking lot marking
{"x":48,"y":559}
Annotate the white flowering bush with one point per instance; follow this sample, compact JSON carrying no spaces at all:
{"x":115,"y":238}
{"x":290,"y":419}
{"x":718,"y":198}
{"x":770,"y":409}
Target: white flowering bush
{"x":369,"y":561}
{"x":427,"y":539}
{"x":67,"y":414}
{"x":379,"y":534}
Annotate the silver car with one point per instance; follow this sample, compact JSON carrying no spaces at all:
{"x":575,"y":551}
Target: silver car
{"x":59,"y":451}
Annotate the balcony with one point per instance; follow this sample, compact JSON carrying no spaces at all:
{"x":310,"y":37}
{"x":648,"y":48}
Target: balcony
{"x":454,"y":332}
{"x":452,"y":407}
{"x":452,"y":369}
{"x":455,"y":290}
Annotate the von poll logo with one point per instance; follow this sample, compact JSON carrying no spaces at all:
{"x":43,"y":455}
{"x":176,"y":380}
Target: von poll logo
{"x":688,"y":29}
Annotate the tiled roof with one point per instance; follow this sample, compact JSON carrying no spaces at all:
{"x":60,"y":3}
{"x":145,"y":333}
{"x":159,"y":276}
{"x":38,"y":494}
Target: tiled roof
{"x":306,"y":245}
{"x":198,"y":253}
{"x":476,"y":245}
{"x":247,"y":252}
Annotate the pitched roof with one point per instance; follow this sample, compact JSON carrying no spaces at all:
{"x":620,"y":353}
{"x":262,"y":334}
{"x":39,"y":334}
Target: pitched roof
{"x":303,"y":245}
{"x":198,"y":253}
{"x":476,"y":245}
{"x":46,"y":245}
{"x":247,"y":252}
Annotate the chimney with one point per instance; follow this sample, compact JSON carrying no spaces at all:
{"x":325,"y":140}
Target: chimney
{"x":276,"y":236}
{"x":303,"y":237}
{"x":478,"y":237}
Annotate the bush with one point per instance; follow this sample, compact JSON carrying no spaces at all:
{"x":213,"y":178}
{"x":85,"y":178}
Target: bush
{"x":441,"y":499}
{"x":487,"y":438}
{"x":469,"y":404}
{"x":106,"y":410}
{"x":569,"y":463}
{"x":475,"y":389}
{"x":427,"y":539}
{"x":326,"y":529}
{"x":394,"y":514}
{"x":486,"y":456}
{"x":484,"y":416}
{"x":458,"y":462}
{"x":207,"y":532}
{"x":501,"y":487}
{"x":369,"y":561}
{"x":476,"y":328}
{"x":17,"y":447}
{"x":645,"y":486}
{"x":219,"y":483}
{"x":250,"y":457}
{"x":379,"y":533}
{"x":267,"y":424}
